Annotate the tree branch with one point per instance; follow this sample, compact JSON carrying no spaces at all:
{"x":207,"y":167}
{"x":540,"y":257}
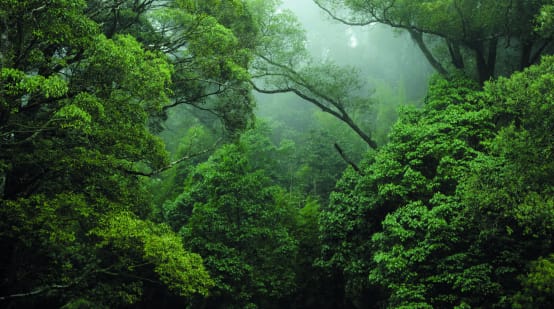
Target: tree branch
{"x":346,"y":159}
{"x":379,"y":20}
{"x":344,"y":21}
{"x":418,"y":38}
{"x":343,"y":117}
{"x":35,"y":291}
{"x":172,"y":164}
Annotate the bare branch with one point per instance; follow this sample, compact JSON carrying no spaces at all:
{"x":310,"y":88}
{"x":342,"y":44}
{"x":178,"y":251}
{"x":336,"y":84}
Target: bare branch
{"x":301,"y":95}
{"x":342,"y":115}
{"x":346,"y":159}
{"x":35,"y":291}
{"x":172,"y":164}
{"x":342,"y":20}
{"x":418,"y":38}
{"x":192,"y":100}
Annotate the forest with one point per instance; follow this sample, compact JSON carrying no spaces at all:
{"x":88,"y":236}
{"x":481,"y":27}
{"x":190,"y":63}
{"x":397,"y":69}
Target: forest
{"x":230,"y":154}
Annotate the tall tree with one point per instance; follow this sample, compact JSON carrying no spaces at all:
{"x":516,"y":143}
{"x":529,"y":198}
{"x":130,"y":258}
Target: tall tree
{"x":74,"y":106}
{"x":208,"y":44}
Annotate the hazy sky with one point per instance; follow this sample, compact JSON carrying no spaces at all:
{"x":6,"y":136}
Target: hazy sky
{"x":377,"y":51}
{"x":383,"y":57}
{"x":322,"y":32}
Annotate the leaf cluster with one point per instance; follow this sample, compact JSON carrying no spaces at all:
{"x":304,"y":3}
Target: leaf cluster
{"x":457,"y":205}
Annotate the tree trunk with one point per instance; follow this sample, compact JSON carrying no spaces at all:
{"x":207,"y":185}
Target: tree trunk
{"x":525,"y":55}
{"x":418,"y":38}
{"x":491,"y":61}
{"x":456,"y":55}
{"x":483,"y":69}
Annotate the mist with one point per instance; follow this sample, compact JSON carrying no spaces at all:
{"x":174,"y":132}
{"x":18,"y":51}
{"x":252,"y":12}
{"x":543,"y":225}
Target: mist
{"x":392,"y":72}
{"x":378,"y":51}
{"x":384,"y":57}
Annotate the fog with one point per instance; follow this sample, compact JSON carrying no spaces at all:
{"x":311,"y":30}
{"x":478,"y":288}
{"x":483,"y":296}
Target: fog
{"x":384,"y":57}
{"x":378,"y":51}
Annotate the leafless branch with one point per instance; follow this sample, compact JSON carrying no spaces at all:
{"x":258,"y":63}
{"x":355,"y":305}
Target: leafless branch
{"x":35,"y":291}
{"x":172,"y":164}
{"x":346,"y":159}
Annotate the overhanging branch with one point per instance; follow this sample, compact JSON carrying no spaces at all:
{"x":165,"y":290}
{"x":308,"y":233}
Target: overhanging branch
{"x":343,"y":116}
{"x":342,"y":20}
{"x":415,"y":32}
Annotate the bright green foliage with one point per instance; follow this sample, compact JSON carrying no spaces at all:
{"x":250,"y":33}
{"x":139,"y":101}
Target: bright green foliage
{"x":502,"y":216}
{"x":52,"y":86}
{"x":423,"y":160}
{"x":545,"y":20}
{"x":52,"y":248}
{"x":457,"y":204}
{"x":134,"y":72}
{"x":232,"y":217}
{"x":235,"y":15}
{"x":133,"y":240}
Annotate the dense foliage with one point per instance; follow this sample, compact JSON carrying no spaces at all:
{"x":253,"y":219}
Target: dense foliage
{"x":230,"y":215}
{"x":133,"y":172}
{"x":456,"y":207}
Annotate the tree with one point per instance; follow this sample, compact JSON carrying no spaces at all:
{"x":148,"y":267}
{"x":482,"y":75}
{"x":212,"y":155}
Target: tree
{"x":303,"y":160}
{"x":428,"y":150}
{"x":457,"y":206}
{"x":208,"y":43}
{"x":478,"y":37}
{"x":74,"y":106}
{"x":233,"y":218}
{"x":283,"y":65}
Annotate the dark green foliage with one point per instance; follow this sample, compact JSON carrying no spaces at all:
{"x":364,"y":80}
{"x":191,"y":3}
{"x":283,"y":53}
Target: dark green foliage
{"x":74,"y":106}
{"x":301,"y":157}
{"x":230,"y":215}
{"x":538,"y":285}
